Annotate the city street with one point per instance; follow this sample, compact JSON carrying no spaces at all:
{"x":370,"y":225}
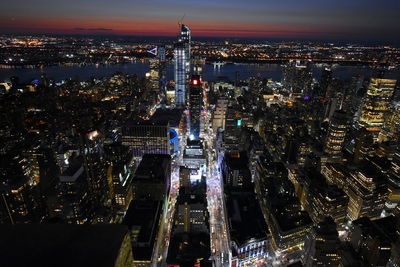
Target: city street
{"x":220,"y":245}
{"x":161,"y":249}
{"x":219,"y":237}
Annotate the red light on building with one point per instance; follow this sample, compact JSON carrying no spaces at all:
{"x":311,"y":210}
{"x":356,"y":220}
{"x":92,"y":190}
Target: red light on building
{"x":195,"y":82}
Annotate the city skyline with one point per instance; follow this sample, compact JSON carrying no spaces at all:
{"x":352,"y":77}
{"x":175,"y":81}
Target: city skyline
{"x":125,"y":150}
{"x":338,"y":20}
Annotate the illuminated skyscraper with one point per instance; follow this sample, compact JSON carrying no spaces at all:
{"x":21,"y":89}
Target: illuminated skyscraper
{"x":336,"y":134}
{"x":376,"y":105}
{"x":195,"y":105}
{"x":163,"y":73}
{"x":391,"y":129}
{"x":182,"y":65}
{"x":157,"y":74}
{"x":297,"y":77}
{"x":180,"y":74}
{"x":367,"y":190}
{"x":154,"y":74}
{"x":161,"y":53}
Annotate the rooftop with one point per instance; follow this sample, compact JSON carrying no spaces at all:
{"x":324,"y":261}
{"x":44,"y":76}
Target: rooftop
{"x":290,"y":216}
{"x":171,"y":116}
{"x":61,"y":244}
{"x":186,"y":249}
{"x":72,"y":173}
{"x":143,"y":216}
{"x":236,"y":160}
{"x":153,"y":167}
{"x":246,"y":220}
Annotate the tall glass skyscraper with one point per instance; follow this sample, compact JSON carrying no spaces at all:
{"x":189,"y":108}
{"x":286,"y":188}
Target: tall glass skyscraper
{"x":182,"y":65}
{"x":376,"y":105}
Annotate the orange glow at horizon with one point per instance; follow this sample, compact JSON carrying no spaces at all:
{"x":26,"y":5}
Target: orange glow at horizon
{"x":154,"y":27}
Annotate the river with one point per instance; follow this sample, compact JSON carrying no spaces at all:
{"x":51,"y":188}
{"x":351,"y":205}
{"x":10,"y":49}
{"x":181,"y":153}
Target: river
{"x":210,"y":72}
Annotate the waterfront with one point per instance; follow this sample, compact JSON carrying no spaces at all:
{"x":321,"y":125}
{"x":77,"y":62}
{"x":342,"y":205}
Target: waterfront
{"x":210,"y":72}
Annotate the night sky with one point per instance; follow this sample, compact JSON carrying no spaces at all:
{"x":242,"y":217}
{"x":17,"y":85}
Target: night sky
{"x":377,"y":20}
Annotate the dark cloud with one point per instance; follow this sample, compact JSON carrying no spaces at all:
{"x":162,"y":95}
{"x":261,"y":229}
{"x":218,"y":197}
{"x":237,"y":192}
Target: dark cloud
{"x":101,"y":29}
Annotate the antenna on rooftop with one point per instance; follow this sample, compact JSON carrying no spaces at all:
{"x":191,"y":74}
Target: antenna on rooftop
{"x":181,"y":20}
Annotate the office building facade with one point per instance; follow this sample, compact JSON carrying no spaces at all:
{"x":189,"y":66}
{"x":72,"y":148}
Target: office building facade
{"x":336,"y":134}
{"x":376,"y":105}
{"x":146,"y":137}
